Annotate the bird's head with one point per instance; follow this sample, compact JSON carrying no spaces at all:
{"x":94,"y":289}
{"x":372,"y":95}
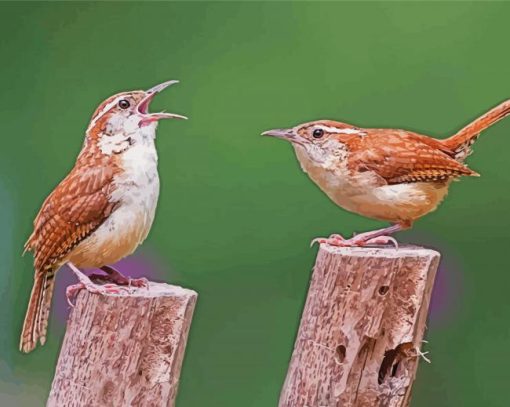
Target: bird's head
{"x":125,"y":118}
{"x":320,"y":140}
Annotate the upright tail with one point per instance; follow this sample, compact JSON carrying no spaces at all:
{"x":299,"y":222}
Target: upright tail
{"x":36,"y":318}
{"x":461,"y":142}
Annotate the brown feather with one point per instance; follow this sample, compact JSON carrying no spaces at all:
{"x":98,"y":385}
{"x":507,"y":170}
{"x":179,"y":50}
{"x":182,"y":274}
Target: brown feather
{"x":76,"y":207}
{"x":461,"y":142}
{"x":36,"y":318}
{"x":400,"y":156}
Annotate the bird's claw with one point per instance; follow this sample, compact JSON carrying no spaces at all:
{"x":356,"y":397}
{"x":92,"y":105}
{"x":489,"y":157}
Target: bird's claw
{"x":139,"y":282}
{"x":72,"y":291}
{"x":376,"y":241}
{"x":333,"y":240}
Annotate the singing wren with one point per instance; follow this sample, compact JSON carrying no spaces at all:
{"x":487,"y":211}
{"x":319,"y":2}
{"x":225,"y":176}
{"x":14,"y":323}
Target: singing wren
{"x":385,"y":174}
{"x":103,"y":209}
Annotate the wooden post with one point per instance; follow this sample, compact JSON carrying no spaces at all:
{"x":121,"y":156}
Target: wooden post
{"x":362,"y":328}
{"x":124,"y":349}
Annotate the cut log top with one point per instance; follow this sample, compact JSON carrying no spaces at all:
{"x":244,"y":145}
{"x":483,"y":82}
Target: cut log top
{"x":154,"y":290}
{"x":387,"y":252}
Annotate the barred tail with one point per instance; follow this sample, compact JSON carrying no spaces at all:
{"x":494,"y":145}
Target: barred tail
{"x":461,"y":142}
{"x":36,"y":318}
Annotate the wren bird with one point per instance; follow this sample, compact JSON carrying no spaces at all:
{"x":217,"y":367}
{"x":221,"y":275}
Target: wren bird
{"x":385,"y":174}
{"x":103,"y":209}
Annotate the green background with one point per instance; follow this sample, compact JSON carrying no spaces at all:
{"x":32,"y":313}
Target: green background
{"x":236,"y":214}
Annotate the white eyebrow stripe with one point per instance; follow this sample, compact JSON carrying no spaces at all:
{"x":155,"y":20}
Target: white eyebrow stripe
{"x":103,"y":111}
{"x":339,"y":131}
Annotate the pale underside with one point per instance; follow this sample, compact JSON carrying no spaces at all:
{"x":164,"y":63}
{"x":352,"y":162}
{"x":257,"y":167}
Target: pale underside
{"x":364,"y":193}
{"x":136,"y":191}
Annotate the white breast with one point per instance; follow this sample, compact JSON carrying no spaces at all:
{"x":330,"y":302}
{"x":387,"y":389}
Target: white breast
{"x":136,"y":191}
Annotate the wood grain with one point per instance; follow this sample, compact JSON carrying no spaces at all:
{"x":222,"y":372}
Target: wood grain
{"x":361,"y":328}
{"x":124,"y":349}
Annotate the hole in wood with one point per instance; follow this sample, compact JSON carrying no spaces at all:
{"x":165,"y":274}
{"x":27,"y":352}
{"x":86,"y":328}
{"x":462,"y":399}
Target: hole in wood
{"x":340,"y":353}
{"x":383,"y":289}
{"x":392,"y":360}
{"x":394,"y":370}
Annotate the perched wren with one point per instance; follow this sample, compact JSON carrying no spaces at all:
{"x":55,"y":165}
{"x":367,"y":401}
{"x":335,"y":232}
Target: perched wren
{"x":385,"y":174}
{"x":103,"y":209}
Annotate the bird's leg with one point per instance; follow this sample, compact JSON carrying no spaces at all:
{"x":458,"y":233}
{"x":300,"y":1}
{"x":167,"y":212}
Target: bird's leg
{"x":374,"y":237}
{"x":86,"y":283}
{"x":116,"y":277}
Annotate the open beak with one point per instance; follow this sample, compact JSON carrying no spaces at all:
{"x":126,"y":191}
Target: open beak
{"x":143,"y":106}
{"x":286,"y":134}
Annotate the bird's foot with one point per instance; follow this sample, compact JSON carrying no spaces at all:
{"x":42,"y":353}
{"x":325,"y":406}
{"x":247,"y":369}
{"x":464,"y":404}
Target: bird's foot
{"x":104,"y":289}
{"x":86,"y":283}
{"x":356,"y":241}
{"x":128,"y":282}
{"x":132,"y":282}
{"x":378,"y":237}
{"x":116,"y":277}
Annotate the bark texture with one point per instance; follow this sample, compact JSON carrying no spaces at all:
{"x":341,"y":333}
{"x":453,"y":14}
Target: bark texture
{"x":124,"y":349}
{"x":362,"y":328}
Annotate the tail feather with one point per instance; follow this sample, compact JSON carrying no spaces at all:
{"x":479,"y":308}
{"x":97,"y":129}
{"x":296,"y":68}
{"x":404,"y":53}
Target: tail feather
{"x":460,"y":143}
{"x":36,"y":318}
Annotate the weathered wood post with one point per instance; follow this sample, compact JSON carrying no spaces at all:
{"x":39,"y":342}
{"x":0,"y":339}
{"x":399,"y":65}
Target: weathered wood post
{"x":124,"y":349}
{"x":362,"y":328}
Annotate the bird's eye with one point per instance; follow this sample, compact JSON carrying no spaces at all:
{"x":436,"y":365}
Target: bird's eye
{"x":123,"y":104}
{"x":318,"y":133}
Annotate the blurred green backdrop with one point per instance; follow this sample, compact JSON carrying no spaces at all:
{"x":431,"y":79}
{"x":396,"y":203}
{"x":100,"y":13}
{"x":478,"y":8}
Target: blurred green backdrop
{"x":236,"y":214}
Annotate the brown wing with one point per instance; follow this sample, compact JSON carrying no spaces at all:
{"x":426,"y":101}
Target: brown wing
{"x":77,"y":207}
{"x":399,"y":156}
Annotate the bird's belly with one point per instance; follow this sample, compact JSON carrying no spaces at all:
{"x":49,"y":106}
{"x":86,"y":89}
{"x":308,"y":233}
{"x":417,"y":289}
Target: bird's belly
{"x":118,"y":237}
{"x":367,"y":194}
{"x":394,"y":203}
{"x":137,"y":192}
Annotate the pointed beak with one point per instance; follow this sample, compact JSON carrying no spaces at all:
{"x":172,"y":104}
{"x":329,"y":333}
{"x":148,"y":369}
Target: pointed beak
{"x":143,"y":106}
{"x":286,"y":134}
